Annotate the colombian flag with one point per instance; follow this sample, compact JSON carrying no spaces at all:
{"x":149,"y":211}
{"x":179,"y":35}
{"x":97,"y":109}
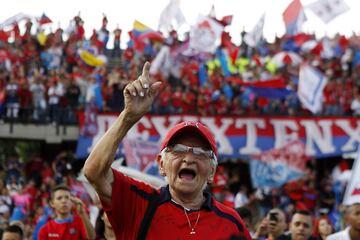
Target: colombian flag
{"x":142,"y":34}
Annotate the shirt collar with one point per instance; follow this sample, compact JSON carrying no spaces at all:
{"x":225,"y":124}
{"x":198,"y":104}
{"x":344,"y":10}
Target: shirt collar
{"x":65,"y":220}
{"x":165,"y":196}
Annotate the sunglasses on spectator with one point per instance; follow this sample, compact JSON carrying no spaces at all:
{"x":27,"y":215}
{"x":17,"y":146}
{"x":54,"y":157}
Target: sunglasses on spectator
{"x":198,"y":152}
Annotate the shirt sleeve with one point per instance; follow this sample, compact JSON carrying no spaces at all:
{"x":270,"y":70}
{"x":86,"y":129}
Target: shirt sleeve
{"x":129,"y":200}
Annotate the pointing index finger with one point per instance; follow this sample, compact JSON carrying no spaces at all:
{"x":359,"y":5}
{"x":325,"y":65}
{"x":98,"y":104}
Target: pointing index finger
{"x":145,"y":71}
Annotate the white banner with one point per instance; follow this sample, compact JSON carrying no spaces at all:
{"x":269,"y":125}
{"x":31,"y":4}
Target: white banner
{"x":205,"y":35}
{"x":162,"y":62}
{"x":352,"y":194}
{"x":171,"y":14}
{"x":15,"y":19}
{"x":327,"y":10}
{"x":238,"y":136}
{"x":311,"y":86}
{"x":253,"y":38}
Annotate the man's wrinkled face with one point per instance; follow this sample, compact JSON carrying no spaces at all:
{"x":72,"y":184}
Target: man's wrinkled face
{"x":301,"y":227}
{"x":187,"y":169}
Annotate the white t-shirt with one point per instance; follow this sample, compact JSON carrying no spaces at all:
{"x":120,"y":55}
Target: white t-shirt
{"x":342,"y":235}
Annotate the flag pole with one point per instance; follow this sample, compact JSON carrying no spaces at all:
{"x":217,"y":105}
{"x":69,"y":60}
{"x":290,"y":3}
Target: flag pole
{"x":353,"y":180}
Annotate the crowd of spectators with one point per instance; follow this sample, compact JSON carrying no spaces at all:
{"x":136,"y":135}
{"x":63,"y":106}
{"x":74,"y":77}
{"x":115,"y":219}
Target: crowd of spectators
{"x":48,"y":80}
{"x":25,"y":191}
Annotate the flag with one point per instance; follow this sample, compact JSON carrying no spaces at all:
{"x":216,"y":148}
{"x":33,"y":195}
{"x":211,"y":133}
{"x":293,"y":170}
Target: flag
{"x":327,"y":10}
{"x":327,"y":51}
{"x":41,"y":37}
{"x":272,"y":88}
{"x":162,"y":62}
{"x":171,"y":14}
{"x":88,"y":131}
{"x":294,"y":17}
{"x":14,"y":20}
{"x":141,"y":155}
{"x":278,"y":166}
{"x":226,"y":20}
{"x":212,"y":13}
{"x":352,"y":193}
{"x":205,"y":35}
{"x":310,"y":88}
{"x":273,"y":93}
{"x":294,"y":42}
{"x":44,"y":19}
{"x":91,"y":59}
{"x":142,"y":34}
{"x":224,"y":62}
{"x":253,"y":38}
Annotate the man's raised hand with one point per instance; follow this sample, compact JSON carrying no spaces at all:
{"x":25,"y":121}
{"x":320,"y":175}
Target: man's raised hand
{"x":140,"y":94}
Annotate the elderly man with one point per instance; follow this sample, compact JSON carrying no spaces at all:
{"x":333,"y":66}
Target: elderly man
{"x":182,"y":209}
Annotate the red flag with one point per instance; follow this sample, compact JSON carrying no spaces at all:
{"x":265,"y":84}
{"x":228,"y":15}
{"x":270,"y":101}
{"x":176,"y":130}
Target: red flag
{"x":226,"y":20}
{"x":44,"y":19}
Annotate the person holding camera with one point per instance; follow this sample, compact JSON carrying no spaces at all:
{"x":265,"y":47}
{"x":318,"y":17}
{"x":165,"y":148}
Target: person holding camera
{"x":272,"y":227}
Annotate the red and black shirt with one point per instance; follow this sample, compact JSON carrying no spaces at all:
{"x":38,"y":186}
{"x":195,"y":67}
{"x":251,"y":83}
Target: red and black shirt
{"x":130,"y":199}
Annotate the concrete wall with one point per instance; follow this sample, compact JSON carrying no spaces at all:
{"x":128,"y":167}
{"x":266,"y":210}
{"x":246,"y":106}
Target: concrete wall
{"x":49,"y":133}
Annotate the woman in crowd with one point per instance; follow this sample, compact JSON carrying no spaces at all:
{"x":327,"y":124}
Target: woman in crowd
{"x":323,"y":228}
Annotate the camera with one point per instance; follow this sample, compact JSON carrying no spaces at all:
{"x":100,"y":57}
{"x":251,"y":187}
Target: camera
{"x":273,"y":216}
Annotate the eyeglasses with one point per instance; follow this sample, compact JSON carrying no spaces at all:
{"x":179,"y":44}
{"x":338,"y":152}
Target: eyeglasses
{"x":198,"y":152}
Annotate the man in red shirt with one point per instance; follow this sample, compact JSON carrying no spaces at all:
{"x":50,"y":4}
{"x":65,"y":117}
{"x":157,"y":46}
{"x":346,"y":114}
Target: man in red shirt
{"x":181,"y":210}
{"x":66,"y":224}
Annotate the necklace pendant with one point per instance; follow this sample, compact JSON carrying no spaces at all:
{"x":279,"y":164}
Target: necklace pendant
{"x":192,"y":231}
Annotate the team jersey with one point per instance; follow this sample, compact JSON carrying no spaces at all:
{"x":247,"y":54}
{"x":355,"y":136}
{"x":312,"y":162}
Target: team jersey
{"x":129,"y":202}
{"x":71,"y":228}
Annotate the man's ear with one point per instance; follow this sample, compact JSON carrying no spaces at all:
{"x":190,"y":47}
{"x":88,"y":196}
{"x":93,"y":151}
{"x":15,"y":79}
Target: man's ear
{"x":212,"y":174}
{"x":161,"y":163}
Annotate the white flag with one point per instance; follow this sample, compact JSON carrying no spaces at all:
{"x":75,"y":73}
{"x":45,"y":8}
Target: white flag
{"x":327,"y":10}
{"x":162,"y":62}
{"x":310,"y":89}
{"x":15,"y":19}
{"x":205,"y":35}
{"x":352,"y":194}
{"x":212,"y":12}
{"x":171,"y":14}
{"x":253,"y":38}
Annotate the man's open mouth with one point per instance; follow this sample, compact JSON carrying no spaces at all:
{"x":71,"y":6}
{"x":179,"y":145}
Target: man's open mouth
{"x":187,"y":174}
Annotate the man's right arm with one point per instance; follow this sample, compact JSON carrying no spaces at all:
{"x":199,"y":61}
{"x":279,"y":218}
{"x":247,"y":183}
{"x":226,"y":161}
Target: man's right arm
{"x":97,"y":167}
{"x":139,"y":95}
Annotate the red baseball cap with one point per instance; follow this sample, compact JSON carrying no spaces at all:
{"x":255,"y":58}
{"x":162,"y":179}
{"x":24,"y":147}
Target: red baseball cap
{"x":186,"y":125}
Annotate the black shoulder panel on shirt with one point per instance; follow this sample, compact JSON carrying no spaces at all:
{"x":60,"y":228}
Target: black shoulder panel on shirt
{"x":229,"y":217}
{"x":141,"y":192}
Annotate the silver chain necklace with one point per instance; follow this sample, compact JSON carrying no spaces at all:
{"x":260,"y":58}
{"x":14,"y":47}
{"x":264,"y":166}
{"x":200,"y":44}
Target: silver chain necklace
{"x":192,"y":232}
